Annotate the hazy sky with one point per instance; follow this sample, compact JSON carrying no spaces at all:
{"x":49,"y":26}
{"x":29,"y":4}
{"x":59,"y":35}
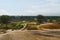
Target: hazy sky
{"x":30,"y":7}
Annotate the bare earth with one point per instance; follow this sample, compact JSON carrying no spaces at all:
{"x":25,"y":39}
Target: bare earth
{"x":30,"y":35}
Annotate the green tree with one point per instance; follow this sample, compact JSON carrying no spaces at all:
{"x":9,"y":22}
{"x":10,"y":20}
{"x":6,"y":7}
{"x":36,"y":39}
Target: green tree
{"x":40,"y":19}
{"x":4,"y":19}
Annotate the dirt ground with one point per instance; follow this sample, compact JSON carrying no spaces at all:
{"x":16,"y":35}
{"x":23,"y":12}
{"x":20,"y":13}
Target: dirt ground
{"x":28,"y":35}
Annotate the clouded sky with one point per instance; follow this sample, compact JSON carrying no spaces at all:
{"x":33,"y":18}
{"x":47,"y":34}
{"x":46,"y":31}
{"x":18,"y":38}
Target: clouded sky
{"x":30,"y":7}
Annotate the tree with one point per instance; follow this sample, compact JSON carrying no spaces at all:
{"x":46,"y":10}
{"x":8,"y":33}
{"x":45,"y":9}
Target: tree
{"x":40,"y":19}
{"x":4,"y":19}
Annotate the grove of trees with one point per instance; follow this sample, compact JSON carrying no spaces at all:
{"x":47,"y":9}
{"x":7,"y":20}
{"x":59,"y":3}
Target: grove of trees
{"x":15,"y":22}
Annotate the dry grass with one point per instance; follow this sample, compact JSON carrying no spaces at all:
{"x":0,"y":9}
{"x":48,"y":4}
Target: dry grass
{"x":49,"y":26}
{"x":43,"y":26}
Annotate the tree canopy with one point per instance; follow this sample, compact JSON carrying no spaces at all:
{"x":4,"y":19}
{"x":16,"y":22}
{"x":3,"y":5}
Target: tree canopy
{"x":40,"y":18}
{"x":5,"y":19}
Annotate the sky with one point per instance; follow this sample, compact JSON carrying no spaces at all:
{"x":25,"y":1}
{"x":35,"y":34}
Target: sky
{"x":30,"y":7}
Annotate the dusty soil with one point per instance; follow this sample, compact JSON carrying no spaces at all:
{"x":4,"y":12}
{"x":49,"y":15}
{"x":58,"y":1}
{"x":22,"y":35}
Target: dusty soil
{"x":28,"y":35}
